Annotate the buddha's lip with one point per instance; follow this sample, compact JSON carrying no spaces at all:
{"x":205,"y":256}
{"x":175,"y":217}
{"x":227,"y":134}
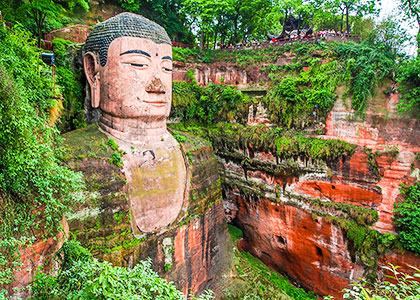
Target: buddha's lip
{"x":155,"y":102}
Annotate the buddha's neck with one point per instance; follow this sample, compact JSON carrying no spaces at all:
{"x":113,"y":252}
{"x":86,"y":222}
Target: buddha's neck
{"x":135,"y":130}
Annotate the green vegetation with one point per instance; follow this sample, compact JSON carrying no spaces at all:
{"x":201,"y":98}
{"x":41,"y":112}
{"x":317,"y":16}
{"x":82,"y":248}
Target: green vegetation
{"x":178,"y":137}
{"x":366,"y":66}
{"x":35,"y":189}
{"x":69,"y":79}
{"x":209,"y":104}
{"x":116,"y":158}
{"x":407,"y":217}
{"x":82,"y":277}
{"x":281,"y":143}
{"x":400,"y":285}
{"x":411,"y":10}
{"x":295,"y":96}
{"x":254,"y":280}
{"x":40,"y":16}
{"x":409,"y":88}
{"x":300,"y":94}
{"x":367,"y":244}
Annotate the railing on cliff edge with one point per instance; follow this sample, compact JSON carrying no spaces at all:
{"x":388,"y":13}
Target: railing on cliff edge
{"x":76,"y":33}
{"x":283,"y":42}
{"x":182,"y":45}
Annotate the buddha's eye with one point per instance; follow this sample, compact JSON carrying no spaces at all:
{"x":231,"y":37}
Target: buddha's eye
{"x":137,"y":65}
{"x":166,"y":66}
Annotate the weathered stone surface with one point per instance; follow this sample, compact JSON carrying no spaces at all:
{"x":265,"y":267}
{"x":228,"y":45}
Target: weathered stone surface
{"x":232,"y":73}
{"x":283,"y":224}
{"x":382,"y":130}
{"x":310,"y":250}
{"x":201,"y":242}
{"x":205,"y":73}
{"x":339,"y":192}
{"x":39,"y":255}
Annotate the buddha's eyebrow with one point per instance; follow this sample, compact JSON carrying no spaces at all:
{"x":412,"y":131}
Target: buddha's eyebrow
{"x":136,"y":51}
{"x":167,"y":57}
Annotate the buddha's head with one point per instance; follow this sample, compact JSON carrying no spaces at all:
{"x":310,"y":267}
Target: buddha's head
{"x":128,"y":64}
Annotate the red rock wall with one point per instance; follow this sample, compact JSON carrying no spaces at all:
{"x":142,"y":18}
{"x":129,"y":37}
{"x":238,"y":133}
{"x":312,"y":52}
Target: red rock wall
{"x":207,"y":73}
{"x":199,"y":260}
{"x":382,"y":129}
{"x":312,"y":250}
{"x":199,"y":239}
{"x":38,"y":256}
{"x":231,"y":72}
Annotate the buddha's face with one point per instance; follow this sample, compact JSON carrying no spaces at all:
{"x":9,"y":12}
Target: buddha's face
{"x":136,"y":81}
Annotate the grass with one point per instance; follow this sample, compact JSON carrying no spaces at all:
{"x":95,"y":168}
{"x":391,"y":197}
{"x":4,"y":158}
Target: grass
{"x":254,"y":280}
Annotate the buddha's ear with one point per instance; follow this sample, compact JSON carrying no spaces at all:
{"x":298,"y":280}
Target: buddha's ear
{"x":91,"y":67}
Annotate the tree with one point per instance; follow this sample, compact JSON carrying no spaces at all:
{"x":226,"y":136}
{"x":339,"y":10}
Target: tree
{"x":411,"y":8}
{"x":351,"y":7}
{"x":391,"y":34}
{"x":253,"y":14}
{"x":287,"y":9}
{"x":326,"y":15}
{"x":37,"y":12}
{"x":167,"y":13}
{"x":202,"y":14}
{"x":304,"y":14}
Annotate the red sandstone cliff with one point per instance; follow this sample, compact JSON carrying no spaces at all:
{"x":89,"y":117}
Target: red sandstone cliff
{"x":290,"y":235}
{"x":194,"y":252}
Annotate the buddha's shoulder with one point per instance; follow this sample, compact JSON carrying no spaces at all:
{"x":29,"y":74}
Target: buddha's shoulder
{"x":198,"y":154}
{"x":88,"y":142}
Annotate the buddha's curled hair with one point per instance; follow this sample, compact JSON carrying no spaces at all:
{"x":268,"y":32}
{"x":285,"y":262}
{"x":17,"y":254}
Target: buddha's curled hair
{"x":124,"y":24}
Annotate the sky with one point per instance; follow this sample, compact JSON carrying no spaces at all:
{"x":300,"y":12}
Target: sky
{"x":389,"y":7}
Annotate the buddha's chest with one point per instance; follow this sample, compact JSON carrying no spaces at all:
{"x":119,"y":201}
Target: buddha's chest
{"x":156,"y":187}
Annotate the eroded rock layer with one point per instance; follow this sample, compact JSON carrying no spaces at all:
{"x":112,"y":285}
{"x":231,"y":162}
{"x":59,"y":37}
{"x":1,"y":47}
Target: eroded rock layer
{"x":194,"y":252}
{"x":326,"y":223}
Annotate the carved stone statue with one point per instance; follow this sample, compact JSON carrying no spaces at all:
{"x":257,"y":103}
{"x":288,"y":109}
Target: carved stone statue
{"x":128,"y":64}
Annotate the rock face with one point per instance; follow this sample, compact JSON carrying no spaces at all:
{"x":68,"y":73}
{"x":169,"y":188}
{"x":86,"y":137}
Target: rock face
{"x":205,"y":73}
{"x":39,"y":255}
{"x":298,"y":216}
{"x":194,"y":252}
{"x":287,"y":238}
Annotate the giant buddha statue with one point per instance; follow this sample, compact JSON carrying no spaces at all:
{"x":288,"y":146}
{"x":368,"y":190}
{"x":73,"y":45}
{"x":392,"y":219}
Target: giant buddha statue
{"x":144,"y":199}
{"x":128,"y":64}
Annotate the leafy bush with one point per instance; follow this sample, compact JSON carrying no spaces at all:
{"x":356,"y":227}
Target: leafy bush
{"x":407,"y":217}
{"x":292,"y":105}
{"x":71,"y":86}
{"x":84,"y":277}
{"x":299,"y":98}
{"x":212,"y":103}
{"x":368,"y":244}
{"x":409,"y":88}
{"x":178,"y":136}
{"x":184,"y":54}
{"x":367,"y":65}
{"x":35,"y":190}
{"x":401,"y":286}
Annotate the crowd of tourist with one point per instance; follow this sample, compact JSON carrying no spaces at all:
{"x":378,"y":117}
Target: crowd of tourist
{"x":293,"y":36}
{"x":332,"y":32}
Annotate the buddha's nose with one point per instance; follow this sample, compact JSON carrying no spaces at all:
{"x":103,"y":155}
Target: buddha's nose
{"x":155,"y":86}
